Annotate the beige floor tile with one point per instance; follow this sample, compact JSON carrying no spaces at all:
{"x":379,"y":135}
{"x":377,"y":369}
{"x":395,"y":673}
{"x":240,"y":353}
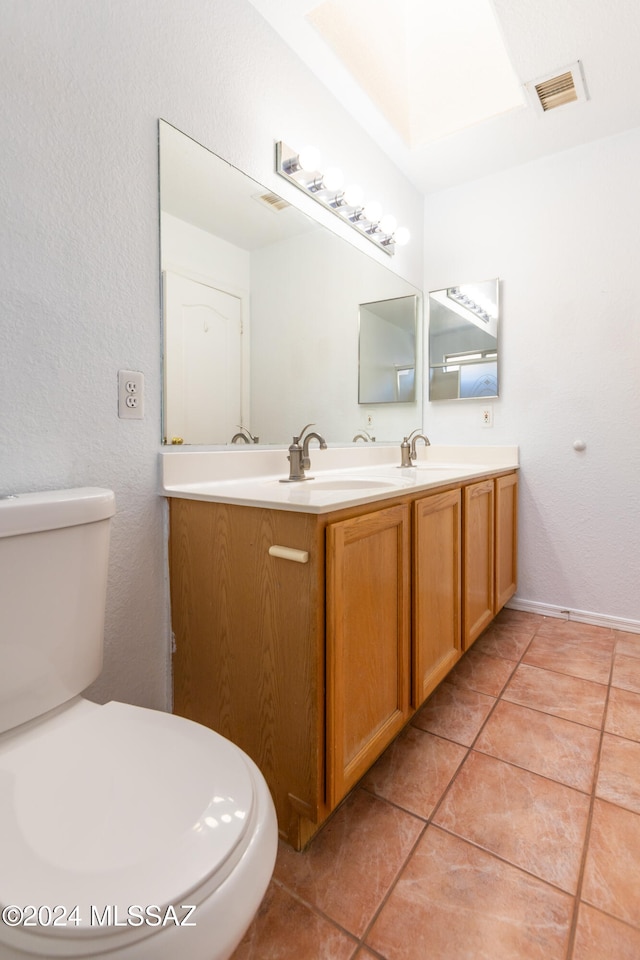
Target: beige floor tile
{"x":350,"y":865}
{"x":583,"y":633}
{"x":563,"y":696}
{"x":626,"y":673}
{"x":599,"y":936}
{"x":507,"y":615}
{"x":627,"y":643}
{"x":285,"y":928}
{"x":612,"y":871}
{"x":589,"y":661}
{"x":554,"y":748}
{"x":619,"y":773}
{"x":623,"y":714}
{"x":415,"y":771}
{"x":532,"y":822}
{"x":506,"y":640}
{"x":455,"y":713}
{"x":456,"y":902}
{"x":483,"y":674}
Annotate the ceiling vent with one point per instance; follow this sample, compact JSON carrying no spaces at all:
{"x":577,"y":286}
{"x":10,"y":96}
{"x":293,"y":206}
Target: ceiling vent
{"x":555,"y":89}
{"x":271,"y":200}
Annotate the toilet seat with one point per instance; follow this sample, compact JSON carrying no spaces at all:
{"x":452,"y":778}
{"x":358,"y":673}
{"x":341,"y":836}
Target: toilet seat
{"x":163,"y":805}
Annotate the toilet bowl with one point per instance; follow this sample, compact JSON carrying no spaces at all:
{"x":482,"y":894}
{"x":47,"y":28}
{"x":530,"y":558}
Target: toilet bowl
{"x":126,"y":833}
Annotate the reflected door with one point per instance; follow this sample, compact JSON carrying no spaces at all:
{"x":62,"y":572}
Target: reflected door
{"x":203,"y":333}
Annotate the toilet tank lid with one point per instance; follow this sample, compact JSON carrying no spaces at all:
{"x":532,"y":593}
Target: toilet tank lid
{"x":52,"y":509}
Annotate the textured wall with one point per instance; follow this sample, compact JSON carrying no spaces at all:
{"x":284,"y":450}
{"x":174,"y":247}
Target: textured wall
{"x":562,"y":233}
{"x":83,"y":83}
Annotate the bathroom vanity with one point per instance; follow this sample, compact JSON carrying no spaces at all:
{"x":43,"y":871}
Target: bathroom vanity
{"x":311,"y":620}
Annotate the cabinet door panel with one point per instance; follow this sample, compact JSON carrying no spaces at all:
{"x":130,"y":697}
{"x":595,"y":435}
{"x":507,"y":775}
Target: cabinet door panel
{"x":367,"y":641}
{"x":478,"y":559}
{"x":506,"y":539}
{"x":436,"y":590}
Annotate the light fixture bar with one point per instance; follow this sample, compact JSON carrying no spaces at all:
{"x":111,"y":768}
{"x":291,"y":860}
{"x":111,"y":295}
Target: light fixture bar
{"x":454,"y":293}
{"x":325,"y":188}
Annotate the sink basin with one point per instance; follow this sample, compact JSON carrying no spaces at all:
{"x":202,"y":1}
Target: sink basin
{"x":350,"y":484}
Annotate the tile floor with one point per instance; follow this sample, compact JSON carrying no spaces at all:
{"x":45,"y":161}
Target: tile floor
{"x":502,"y":824}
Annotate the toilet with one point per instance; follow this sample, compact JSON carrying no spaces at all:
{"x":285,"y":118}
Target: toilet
{"x":125,"y":833}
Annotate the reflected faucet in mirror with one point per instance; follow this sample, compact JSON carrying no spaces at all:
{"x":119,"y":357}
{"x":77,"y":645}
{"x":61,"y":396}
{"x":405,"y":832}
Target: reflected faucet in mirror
{"x":244,"y":436}
{"x":298,"y":458}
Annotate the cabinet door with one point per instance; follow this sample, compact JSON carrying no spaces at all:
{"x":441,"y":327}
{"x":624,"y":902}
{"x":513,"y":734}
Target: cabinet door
{"x":368,"y":560}
{"x":506,"y":539}
{"x":436,"y":590}
{"x":478,"y":559}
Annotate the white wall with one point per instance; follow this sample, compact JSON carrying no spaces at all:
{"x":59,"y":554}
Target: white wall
{"x":83,"y":83}
{"x":562,"y":234}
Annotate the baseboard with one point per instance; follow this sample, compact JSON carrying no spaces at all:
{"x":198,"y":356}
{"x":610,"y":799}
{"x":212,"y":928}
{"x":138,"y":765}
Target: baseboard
{"x":581,"y":616}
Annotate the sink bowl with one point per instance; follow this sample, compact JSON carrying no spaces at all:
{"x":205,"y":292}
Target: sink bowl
{"x":351,"y":484}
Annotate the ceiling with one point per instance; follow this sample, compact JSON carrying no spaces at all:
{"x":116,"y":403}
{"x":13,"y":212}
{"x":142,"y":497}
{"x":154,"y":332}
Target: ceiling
{"x":541,"y":37}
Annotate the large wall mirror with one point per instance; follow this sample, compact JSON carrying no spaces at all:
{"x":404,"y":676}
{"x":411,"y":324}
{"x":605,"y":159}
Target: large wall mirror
{"x":261,"y":312}
{"x":463,"y":341}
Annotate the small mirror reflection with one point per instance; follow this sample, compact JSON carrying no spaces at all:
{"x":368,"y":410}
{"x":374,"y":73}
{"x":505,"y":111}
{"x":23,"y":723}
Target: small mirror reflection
{"x":387,"y":367}
{"x":463,"y":341}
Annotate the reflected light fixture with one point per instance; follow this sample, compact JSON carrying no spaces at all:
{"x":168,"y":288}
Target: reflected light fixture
{"x":479,"y":310}
{"x":303,"y":170}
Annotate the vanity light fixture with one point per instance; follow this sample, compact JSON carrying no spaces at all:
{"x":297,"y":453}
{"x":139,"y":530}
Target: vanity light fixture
{"x":303,"y":171}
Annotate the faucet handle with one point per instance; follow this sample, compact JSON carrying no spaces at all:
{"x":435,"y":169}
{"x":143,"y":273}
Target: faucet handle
{"x":297,"y":439}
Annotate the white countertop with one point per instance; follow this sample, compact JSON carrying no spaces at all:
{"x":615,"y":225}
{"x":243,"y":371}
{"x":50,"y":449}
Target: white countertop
{"x":339,"y":476}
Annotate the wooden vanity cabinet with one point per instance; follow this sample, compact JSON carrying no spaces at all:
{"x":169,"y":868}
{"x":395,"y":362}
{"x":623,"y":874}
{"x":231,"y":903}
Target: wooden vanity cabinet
{"x":436,"y":591}
{"x":506,"y":539}
{"x":249,"y":644}
{"x":314,"y":667}
{"x":478,"y":559}
{"x":489,"y":551}
{"x":368,"y":638}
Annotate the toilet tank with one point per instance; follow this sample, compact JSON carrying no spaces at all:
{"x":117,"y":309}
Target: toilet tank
{"x":54,"y":552}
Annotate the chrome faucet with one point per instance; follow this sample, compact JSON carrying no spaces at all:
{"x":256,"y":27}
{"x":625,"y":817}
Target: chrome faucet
{"x":418,"y":436}
{"x":364,"y":435}
{"x":245,"y":436}
{"x":298,"y":458}
{"x":408,"y":451}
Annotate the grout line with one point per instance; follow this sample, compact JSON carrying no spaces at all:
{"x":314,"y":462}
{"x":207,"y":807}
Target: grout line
{"x":587,"y":835}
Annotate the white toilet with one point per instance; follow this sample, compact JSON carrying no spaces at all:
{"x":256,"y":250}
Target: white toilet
{"x":125,"y":833}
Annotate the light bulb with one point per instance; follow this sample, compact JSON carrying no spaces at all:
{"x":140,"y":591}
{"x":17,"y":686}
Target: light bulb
{"x":388,"y":223}
{"x":309,"y":158}
{"x":402,"y":236}
{"x":332,"y":178}
{"x":372,"y":211}
{"x":353,"y":195}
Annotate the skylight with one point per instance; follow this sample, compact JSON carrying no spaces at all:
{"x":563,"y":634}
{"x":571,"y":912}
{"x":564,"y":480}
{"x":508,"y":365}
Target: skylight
{"x":431,"y":67}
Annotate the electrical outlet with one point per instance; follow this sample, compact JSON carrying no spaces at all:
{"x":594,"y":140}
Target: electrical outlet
{"x":486,"y":417}
{"x":130,"y":394}
{"x":369,"y":419}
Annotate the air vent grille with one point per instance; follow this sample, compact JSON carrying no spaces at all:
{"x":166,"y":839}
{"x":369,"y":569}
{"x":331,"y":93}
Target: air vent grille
{"x":558,"y":88}
{"x":272,"y":200}
{"x":556,"y":91}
